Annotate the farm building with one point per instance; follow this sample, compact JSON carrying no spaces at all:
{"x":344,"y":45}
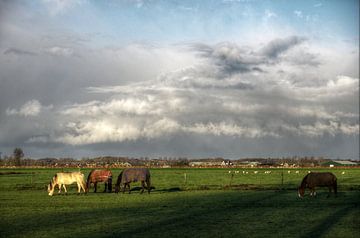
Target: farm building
{"x":336,"y":163}
{"x":248,"y":164}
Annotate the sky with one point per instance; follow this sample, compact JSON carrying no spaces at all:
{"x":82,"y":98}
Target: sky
{"x":228,"y":78}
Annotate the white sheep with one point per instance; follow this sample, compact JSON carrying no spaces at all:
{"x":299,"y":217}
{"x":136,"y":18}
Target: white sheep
{"x":343,"y":172}
{"x":297,"y":171}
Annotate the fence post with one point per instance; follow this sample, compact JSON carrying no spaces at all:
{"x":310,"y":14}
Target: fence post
{"x":185,"y":179}
{"x":231,"y":179}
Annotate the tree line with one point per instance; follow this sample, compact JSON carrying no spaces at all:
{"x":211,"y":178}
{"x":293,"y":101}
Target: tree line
{"x":17,"y":159}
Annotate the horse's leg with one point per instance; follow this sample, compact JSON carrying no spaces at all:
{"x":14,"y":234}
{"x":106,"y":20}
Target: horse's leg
{"x":105,"y":187}
{"x":83,"y":186}
{"x":59,"y":188}
{"x":79,"y":188}
{"x":148,"y":186}
{"x":109,"y":185}
{"x":129,"y":188}
{"x":142,"y":187}
{"x":95,"y":187}
{"x":329,"y":192}
{"x":123,"y":190}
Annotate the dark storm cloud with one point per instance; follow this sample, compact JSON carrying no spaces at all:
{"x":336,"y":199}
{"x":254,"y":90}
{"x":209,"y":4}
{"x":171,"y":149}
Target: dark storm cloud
{"x":20,"y":52}
{"x":278,"y":46}
{"x":230,"y":58}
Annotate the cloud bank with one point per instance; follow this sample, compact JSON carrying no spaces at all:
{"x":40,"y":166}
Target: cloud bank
{"x":228,"y":90}
{"x":65,"y":93}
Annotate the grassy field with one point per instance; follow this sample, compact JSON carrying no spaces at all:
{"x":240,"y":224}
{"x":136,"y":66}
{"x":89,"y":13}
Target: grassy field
{"x":185,"y":203}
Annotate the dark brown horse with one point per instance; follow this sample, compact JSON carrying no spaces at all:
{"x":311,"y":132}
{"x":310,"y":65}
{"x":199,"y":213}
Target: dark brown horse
{"x":312,"y":180}
{"x":96,"y":176}
{"x":133,"y":175}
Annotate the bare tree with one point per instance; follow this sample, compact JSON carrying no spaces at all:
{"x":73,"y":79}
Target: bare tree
{"x":18,"y":154}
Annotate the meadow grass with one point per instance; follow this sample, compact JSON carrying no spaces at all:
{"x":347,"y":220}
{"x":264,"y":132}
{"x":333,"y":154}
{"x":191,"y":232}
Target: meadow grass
{"x":203,"y":205}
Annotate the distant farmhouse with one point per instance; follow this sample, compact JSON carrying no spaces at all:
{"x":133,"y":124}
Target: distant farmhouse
{"x":210,"y":163}
{"x":336,"y":163}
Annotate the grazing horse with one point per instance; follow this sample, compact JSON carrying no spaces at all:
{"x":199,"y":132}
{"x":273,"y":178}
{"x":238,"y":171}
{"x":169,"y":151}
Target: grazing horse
{"x":133,"y":175}
{"x":66,"y":178}
{"x":311,"y":180}
{"x":96,"y":176}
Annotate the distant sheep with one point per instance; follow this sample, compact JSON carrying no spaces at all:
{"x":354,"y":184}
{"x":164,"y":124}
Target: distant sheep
{"x":297,"y":171}
{"x":343,"y":172}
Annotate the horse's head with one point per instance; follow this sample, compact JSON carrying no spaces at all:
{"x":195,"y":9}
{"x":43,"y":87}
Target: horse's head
{"x":50,"y":188}
{"x":301,"y":192}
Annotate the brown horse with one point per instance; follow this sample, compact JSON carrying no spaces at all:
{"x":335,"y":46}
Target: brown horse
{"x":133,"y":175}
{"x":311,"y":180}
{"x":96,"y":176}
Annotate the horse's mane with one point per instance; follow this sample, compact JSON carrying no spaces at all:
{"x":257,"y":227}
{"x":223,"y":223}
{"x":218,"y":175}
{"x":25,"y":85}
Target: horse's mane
{"x":303,"y":182}
{"x":53,"y":181}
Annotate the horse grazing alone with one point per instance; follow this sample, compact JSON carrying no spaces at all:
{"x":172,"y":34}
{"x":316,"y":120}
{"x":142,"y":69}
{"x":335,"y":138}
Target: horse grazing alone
{"x":311,"y":180}
{"x":133,"y":175}
{"x":66,"y":178}
{"x":96,"y":176}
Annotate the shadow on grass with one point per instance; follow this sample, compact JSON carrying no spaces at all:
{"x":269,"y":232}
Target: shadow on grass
{"x":182,"y":214}
{"x":328,"y":222}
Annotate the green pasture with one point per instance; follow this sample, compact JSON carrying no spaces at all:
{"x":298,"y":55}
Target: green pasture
{"x":185,"y":203}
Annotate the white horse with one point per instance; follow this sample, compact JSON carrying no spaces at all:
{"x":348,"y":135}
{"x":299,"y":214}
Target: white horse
{"x":62,"y":179}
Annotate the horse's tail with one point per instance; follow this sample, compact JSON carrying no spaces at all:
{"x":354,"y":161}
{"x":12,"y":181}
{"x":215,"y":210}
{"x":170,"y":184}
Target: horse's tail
{"x":80,"y":180}
{"x":88,"y":181}
{"x":117,"y":185}
{"x":335,"y":185}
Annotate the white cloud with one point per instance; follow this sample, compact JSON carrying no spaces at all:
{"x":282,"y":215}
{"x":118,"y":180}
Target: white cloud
{"x":269,"y":14}
{"x":30,"y":108}
{"x":56,"y":7}
{"x":60,"y":51}
{"x":298,"y":14}
{"x":38,"y":139}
